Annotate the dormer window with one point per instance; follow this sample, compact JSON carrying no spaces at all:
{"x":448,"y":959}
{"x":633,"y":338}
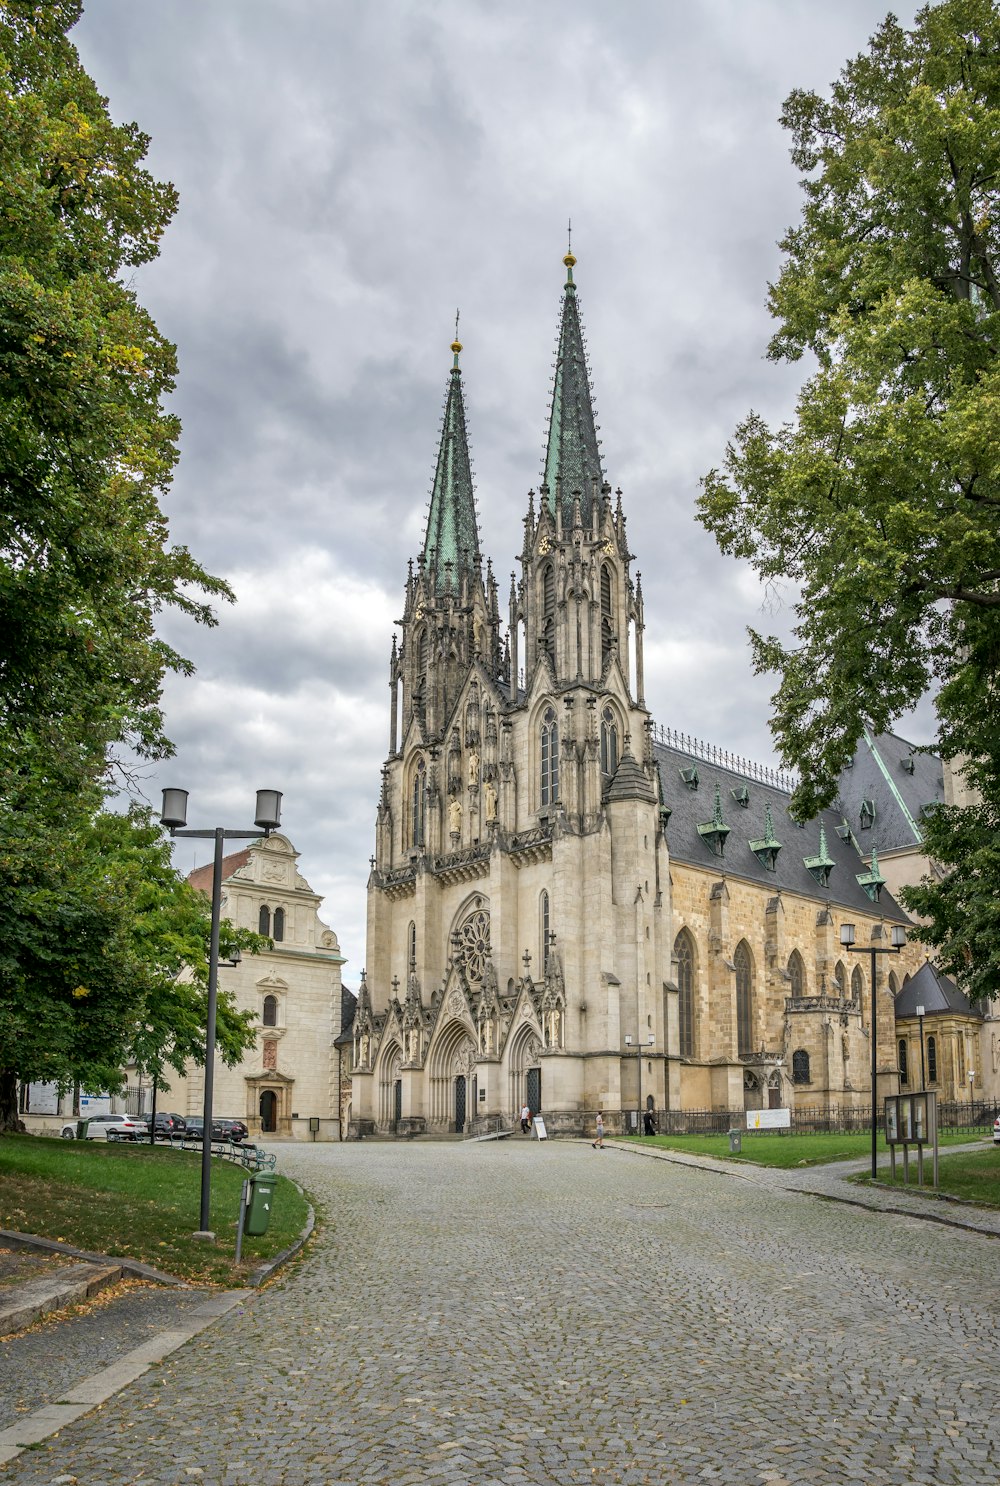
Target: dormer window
{"x":867,"y":814}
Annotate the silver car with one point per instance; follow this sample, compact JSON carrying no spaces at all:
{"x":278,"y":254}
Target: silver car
{"x":108,"y":1127}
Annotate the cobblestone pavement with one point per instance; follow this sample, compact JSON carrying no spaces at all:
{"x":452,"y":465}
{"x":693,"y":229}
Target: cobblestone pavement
{"x":523,"y":1313}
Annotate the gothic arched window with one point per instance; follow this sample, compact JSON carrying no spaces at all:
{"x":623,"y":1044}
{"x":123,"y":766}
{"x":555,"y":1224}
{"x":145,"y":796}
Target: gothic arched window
{"x":840,"y":980}
{"x":904,"y":1076}
{"x":607,"y":622}
{"x":684,"y":955}
{"x":549,"y":758}
{"x":800,"y":1066}
{"x":796,"y":976}
{"x":932,"y":1060}
{"x":264,"y":920}
{"x":609,"y":743}
{"x":547,"y":630}
{"x":744,"y":998}
{"x":893,"y":984}
{"x":411,"y":945}
{"x":857,"y":984}
{"x":269,"y":1017}
{"x":417,"y":798}
{"x":279,"y":924}
{"x":544,"y":930}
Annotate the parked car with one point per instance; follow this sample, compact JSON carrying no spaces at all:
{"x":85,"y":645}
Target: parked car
{"x":107,"y":1127}
{"x":169,"y":1124}
{"x":996,"y":1131}
{"x":222,"y":1129}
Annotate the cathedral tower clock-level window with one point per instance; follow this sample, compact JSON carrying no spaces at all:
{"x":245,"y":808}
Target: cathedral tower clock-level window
{"x":548,"y":632}
{"x":607,"y":628}
{"x":549,"y":754}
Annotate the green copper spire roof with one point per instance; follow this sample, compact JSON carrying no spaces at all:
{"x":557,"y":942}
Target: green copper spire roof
{"x":451,"y":545}
{"x":572,"y":455}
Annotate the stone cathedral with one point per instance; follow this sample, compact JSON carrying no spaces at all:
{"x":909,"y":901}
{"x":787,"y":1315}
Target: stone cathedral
{"x":569,"y":906}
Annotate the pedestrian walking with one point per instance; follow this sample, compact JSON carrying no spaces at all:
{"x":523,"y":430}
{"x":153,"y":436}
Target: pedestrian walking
{"x":649,"y":1123}
{"x":598,"y":1144}
{"x":525,"y":1119}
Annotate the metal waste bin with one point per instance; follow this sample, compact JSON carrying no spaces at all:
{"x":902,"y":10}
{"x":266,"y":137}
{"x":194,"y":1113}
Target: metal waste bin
{"x":258,"y":1213}
{"x":81,"y":1129}
{"x":735,"y":1142}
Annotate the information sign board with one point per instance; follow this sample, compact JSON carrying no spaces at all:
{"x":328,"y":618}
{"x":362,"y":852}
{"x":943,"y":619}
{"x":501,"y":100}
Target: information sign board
{"x":769,"y":1119}
{"x":538,"y":1125}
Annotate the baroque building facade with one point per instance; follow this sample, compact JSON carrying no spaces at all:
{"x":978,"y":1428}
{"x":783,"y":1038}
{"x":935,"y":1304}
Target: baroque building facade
{"x":569,"y":907}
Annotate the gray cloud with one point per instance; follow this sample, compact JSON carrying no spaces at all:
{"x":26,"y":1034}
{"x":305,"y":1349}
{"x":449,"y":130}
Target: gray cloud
{"x":348,"y":175}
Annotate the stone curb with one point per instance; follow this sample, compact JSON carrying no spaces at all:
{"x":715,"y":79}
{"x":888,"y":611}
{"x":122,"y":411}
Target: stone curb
{"x":11,"y":1240}
{"x":265,"y":1271}
{"x":29,"y":1301}
{"x":681,"y":1158}
{"x":100,"y":1386}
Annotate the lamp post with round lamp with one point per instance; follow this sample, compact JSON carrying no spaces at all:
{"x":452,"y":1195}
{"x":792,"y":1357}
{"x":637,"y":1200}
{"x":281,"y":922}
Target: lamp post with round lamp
{"x":174,"y":817}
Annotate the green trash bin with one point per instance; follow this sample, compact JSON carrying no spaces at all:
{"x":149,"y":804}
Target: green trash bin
{"x":735,"y":1142}
{"x":261,"y":1195}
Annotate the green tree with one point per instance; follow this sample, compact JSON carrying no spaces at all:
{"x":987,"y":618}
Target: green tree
{"x":105,"y":961}
{"x":86,"y":454}
{"x":880,"y":502}
{"x":86,"y":447}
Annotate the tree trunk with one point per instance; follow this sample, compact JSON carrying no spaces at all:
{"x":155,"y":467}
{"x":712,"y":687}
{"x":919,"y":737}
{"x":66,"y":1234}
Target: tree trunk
{"x":8,"y":1100}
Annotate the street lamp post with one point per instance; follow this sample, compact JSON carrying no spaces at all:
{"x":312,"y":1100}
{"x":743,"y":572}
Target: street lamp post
{"x":639,"y":1052}
{"x":972,"y":1080}
{"x":898,"y":940}
{"x":174,"y":817}
{"x":920,"y":1023}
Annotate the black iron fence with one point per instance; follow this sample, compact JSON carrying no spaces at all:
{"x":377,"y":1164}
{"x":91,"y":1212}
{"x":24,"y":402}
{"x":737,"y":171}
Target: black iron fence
{"x":976,"y":1118}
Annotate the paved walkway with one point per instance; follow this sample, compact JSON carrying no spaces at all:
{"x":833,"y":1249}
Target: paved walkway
{"x":522,"y":1313}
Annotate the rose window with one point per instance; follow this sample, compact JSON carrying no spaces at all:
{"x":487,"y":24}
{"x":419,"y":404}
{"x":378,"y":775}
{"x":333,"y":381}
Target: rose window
{"x":474,"y":941}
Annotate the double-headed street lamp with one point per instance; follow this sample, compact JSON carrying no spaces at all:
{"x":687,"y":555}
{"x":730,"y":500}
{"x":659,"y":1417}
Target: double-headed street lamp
{"x":898,"y":940}
{"x":174,"y":817}
{"x":639,"y":1053}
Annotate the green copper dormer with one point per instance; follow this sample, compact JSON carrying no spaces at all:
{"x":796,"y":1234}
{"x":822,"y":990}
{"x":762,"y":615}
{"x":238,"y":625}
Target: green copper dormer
{"x":572,"y":457}
{"x":872,"y":881}
{"x":715,"y":831}
{"x":451,"y":546}
{"x":822,"y":865}
{"x":767,"y":848}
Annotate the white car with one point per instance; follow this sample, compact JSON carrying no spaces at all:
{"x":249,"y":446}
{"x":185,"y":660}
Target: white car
{"x":996,"y":1132}
{"x":108,"y":1127}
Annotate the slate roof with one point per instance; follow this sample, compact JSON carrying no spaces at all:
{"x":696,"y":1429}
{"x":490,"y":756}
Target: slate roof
{"x":693,"y":807}
{"x":630,"y":783}
{"x":881,"y":774}
{"x":936,"y":993}
{"x":348,"y":1007}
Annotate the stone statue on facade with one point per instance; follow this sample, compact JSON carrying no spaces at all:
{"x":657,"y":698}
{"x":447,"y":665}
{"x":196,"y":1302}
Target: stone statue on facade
{"x":455,"y":816}
{"x":473,"y":769}
{"x":490,"y":800}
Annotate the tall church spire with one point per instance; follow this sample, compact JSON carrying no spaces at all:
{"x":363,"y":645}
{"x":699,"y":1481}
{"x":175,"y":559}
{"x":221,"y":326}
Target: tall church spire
{"x":572,"y":456}
{"x":451,"y":545}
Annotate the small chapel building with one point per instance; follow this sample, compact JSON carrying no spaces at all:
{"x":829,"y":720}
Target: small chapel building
{"x":569,"y":906}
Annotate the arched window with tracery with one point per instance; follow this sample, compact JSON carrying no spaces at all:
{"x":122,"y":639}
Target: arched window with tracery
{"x":932,"y":1060}
{"x":264,"y":920}
{"x":549,"y":758}
{"x":840,"y":980}
{"x":609,"y":743}
{"x":796,"y":976}
{"x":904,"y":1075}
{"x":800,"y":1066}
{"x":544,"y":930}
{"x":744,"y":998}
{"x":548,"y":626}
{"x":857,"y":984}
{"x":418,"y":797}
{"x":411,"y":946}
{"x":269,"y":1017}
{"x":684,"y":955}
{"x":607,"y":615}
{"x":279,"y":925}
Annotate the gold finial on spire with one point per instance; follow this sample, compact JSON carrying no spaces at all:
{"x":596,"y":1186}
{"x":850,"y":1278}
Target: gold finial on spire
{"x":569,"y":260}
{"x":456,"y":344}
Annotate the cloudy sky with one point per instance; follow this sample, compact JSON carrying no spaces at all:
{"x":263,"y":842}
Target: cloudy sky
{"x":351,"y":172}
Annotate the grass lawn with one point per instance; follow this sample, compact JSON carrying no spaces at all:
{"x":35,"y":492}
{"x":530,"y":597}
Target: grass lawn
{"x":974,"y":1176}
{"x":769,"y":1149}
{"x":137,"y":1202}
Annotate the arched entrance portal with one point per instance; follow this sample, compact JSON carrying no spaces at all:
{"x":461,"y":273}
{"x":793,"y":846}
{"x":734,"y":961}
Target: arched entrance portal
{"x":268,"y":1111}
{"x":533,"y":1098}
